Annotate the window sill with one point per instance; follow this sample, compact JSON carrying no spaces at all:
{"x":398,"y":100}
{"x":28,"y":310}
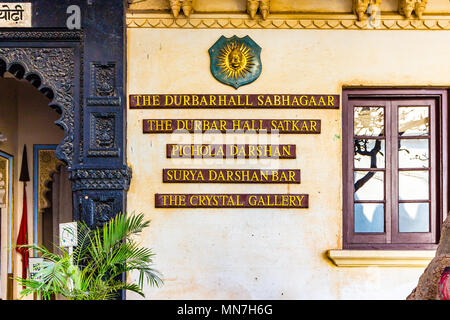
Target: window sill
{"x":381,"y":258}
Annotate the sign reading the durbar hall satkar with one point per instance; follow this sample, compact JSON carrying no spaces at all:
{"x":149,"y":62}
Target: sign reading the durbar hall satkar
{"x":234,"y":101}
{"x":285,"y":126}
{"x":15,"y":14}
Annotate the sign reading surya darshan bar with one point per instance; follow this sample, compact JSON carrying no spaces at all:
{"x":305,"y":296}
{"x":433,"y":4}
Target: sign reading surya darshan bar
{"x":281,"y":201}
{"x":231,"y":176}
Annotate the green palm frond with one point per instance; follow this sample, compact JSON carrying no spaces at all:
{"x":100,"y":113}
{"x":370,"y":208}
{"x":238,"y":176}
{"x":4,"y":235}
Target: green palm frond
{"x":92,"y":271}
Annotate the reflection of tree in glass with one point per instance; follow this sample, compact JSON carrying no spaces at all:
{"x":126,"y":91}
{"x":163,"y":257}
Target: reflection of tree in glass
{"x":413,"y":120}
{"x":362,"y":148}
{"x":2,"y":189}
{"x":368,"y":121}
{"x":420,"y":157}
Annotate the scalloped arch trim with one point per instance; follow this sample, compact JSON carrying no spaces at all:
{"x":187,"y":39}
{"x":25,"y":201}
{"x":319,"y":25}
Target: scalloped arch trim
{"x":51,"y":71}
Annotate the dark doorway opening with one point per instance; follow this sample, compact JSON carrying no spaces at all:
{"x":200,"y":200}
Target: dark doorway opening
{"x":27,"y":121}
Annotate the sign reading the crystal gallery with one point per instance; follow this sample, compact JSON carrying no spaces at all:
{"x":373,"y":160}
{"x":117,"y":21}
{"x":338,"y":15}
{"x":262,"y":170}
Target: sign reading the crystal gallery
{"x":15,"y":14}
{"x":234,"y":101}
{"x":232,"y":200}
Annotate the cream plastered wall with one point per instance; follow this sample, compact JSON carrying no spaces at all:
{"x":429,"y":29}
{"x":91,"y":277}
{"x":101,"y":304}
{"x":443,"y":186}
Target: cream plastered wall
{"x":266,"y":253}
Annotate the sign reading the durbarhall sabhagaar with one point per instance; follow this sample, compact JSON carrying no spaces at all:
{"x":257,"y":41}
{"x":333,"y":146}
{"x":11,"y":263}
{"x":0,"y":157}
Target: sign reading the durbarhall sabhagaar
{"x":236,"y":101}
{"x":231,"y":176}
{"x":285,"y":126}
{"x":282,"y":201}
{"x":15,"y":14}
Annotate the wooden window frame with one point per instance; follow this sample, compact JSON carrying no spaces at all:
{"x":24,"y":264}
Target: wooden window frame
{"x":408,"y":241}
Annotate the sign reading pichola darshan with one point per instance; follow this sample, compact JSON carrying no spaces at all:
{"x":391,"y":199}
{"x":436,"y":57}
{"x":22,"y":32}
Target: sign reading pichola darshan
{"x":232,"y":151}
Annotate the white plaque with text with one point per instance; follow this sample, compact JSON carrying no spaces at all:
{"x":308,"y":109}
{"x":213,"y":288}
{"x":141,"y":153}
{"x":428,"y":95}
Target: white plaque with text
{"x":15,"y":14}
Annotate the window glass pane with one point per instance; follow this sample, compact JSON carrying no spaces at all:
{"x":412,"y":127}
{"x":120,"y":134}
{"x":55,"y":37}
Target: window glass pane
{"x":413,"y":121}
{"x":413,"y":153}
{"x":369,"y":121}
{"x":413,"y":217}
{"x":369,"y":153}
{"x":369,"y":217}
{"x":369,"y":185}
{"x":413,"y":185}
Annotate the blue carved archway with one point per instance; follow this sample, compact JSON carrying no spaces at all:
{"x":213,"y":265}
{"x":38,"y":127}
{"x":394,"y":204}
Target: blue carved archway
{"x":82,"y":73}
{"x":52,"y":72}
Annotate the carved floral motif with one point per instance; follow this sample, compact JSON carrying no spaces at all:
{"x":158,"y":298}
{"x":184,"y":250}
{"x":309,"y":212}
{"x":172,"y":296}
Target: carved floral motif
{"x":103,"y":211}
{"x":103,"y":135}
{"x":47,"y":165}
{"x":3,"y":181}
{"x":361,"y":7}
{"x":187,"y":7}
{"x":252,"y":7}
{"x":263,"y":5}
{"x":104,"y":80}
{"x":98,"y":209}
{"x":406,"y":7}
{"x":66,"y":35}
{"x":176,"y":5}
{"x":101,"y":179}
{"x":104,"y":132}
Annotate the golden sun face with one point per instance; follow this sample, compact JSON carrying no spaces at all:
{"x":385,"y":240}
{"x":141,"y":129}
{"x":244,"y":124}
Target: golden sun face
{"x":235,"y":60}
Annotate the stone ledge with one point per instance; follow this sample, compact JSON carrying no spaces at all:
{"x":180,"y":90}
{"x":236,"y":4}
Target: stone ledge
{"x":381,"y":258}
{"x":294,"y":21}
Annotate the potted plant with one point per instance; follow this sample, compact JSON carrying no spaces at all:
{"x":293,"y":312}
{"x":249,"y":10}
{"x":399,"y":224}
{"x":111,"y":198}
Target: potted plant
{"x":94,"y":269}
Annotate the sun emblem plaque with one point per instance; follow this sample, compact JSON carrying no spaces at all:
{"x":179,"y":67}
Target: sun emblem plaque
{"x":235,"y":61}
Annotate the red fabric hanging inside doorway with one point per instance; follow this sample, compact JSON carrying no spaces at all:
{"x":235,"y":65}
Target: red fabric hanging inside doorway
{"x":22,"y":238}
